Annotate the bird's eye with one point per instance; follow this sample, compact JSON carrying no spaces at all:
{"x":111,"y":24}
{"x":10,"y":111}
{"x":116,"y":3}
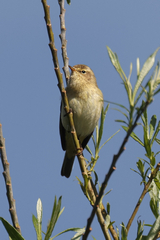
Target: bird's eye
{"x":83,"y":71}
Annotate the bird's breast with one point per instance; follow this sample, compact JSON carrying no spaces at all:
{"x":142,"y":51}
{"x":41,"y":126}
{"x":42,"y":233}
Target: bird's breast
{"x":86,"y":107}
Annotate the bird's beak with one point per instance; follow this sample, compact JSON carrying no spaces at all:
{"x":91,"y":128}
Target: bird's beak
{"x":72,"y":69}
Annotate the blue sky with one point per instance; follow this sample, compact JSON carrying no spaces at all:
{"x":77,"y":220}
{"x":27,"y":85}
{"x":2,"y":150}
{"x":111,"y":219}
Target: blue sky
{"x":30,"y":102}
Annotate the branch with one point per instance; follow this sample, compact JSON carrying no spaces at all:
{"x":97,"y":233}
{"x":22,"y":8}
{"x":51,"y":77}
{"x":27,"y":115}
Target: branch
{"x":7,"y":178}
{"x":145,"y":190}
{"x":112,"y":168}
{"x":63,"y":40}
{"x":53,"y":49}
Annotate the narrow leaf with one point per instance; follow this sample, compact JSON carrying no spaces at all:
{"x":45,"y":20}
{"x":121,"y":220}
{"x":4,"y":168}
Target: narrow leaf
{"x":69,"y":2}
{"x":152,"y":125}
{"x":145,"y":69}
{"x":133,"y":135}
{"x":154,"y":207}
{"x":154,"y":230}
{"x":35,"y":224}
{"x":158,"y":141}
{"x":108,"y":139}
{"x":138,"y":67}
{"x":123,"y":232}
{"x":39,"y":210}
{"x":103,"y":116}
{"x":120,"y":105}
{"x":89,"y":150}
{"x":155,"y":133}
{"x":68,"y":230}
{"x":121,"y":121}
{"x":79,"y":233}
{"x":12,"y":232}
{"x":121,"y":112}
{"x":54,"y":217}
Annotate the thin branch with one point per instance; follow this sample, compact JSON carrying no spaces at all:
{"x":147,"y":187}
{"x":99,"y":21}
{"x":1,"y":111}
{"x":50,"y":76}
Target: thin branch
{"x":145,"y":190}
{"x":8,"y":182}
{"x":112,"y":168}
{"x":81,"y":159}
{"x":63,"y":40}
{"x":104,"y":213}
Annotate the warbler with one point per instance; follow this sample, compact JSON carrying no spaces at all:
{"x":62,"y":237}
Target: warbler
{"x":86,"y":102}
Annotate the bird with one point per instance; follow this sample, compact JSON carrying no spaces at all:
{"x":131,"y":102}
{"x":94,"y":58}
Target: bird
{"x":86,"y":102}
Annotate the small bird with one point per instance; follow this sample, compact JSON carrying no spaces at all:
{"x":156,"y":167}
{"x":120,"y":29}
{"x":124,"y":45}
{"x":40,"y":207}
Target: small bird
{"x":86,"y":102}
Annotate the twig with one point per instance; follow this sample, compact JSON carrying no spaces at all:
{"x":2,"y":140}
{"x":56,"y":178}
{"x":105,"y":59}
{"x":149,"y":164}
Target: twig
{"x":63,"y":40}
{"x":112,"y":168}
{"x":7,"y":178}
{"x":104,"y":213}
{"x":69,"y":113}
{"x":145,"y":190}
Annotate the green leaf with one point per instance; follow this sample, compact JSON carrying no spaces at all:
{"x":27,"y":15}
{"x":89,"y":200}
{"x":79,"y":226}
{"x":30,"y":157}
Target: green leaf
{"x":154,"y":207}
{"x":94,"y":142}
{"x":54,"y":217}
{"x":121,"y":112}
{"x":138,"y":67}
{"x":121,"y":121}
{"x":157,"y":153}
{"x":144,"y":71}
{"x":135,"y":171}
{"x":154,"y":82}
{"x":103,"y":116}
{"x":69,"y":2}
{"x":131,"y":67}
{"x":140,"y":166}
{"x":140,"y":94}
{"x":78,"y":230}
{"x":79,"y":233}
{"x":89,"y":150}
{"x":157,"y":183}
{"x":154,"y":230}
{"x":123,"y":232}
{"x":12,"y":232}
{"x":152,"y":125}
{"x":35,"y":224}
{"x":114,"y":59}
{"x":155,"y":133}
{"x":152,"y":159}
{"x":108,"y":208}
{"x":39,"y":210}
{"x":154,"y":194}
{"x":133,"y":135}
{"x":94,"y":238}
{"x":158,"y":141}
{"x":108,"y":140}
{"x":156,"y":91}
{"x":146,"y":134}
{"x":96,"y":177}
{"x":39,"y":220}
{"x":120,"y":105}
{"x":61,"y":212}
{"x":139,"y":230}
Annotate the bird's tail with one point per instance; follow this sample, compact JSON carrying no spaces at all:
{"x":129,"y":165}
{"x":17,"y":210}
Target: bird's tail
{"x":67,"y":165}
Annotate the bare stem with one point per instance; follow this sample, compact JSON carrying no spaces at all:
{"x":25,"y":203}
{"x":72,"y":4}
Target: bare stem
{"x":63,"y":40}
{"x":112,"y":168}
{"x":8,"y":182}
{"x":145,"y":190}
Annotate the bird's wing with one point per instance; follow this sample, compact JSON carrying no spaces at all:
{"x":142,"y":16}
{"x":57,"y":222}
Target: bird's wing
{"x":86,"y":140}
{"x":62,"y":134}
